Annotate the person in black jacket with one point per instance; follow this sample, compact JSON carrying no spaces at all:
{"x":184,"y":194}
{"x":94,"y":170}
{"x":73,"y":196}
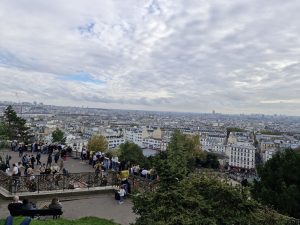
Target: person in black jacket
{"x":16,"y":204}
{"x":56,"y":157}
{"x":38,"y":158}
{"x":32,"y":160}
{"x":49,"y":160}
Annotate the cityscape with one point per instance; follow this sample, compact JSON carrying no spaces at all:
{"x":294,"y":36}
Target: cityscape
{"x":262,"y":135}
{"x":149,"y":112}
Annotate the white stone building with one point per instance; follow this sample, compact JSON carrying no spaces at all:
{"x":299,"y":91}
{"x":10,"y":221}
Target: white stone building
{"x":114,"y":141}
{"x":242,"y":155}
{"x":213,"y":142}
{"x":136,"y":135}
{"x":152,"y":143}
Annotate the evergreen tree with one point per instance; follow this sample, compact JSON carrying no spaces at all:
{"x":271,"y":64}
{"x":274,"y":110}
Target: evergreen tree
{"x":3,"y":131}
{"x":3,"y":136}
{"x":15,"y":126}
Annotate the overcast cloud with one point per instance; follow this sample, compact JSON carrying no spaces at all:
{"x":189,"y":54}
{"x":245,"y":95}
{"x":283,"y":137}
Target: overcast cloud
{"x":186,"y":55}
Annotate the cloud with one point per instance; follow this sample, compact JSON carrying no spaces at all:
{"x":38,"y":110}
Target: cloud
{"x":190,"y":55}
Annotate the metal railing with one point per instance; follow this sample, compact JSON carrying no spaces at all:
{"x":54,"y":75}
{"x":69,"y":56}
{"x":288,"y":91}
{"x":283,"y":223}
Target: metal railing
{"x":55,"y":182}
{"x":5,"y":181}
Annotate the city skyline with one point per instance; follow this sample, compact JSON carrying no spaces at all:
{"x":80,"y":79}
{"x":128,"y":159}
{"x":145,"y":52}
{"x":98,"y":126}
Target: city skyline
{"x":185,"y":56}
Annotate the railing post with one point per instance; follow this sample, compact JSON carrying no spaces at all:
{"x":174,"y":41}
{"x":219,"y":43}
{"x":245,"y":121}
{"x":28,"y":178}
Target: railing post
{"x":15,"y":184}
{"x":38,"y":186}
{"x":10,"y":185}
{"x":63,"y":182}
{"x":89,"y":183}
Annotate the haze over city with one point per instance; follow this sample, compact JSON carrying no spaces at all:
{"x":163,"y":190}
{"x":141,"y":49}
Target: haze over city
{"x":198,"y":56}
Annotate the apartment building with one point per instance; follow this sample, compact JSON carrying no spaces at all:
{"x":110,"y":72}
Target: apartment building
{"x":242,"y":155}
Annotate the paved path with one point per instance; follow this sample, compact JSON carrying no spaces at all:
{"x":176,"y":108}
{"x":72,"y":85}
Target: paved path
{"x":101,"y":205}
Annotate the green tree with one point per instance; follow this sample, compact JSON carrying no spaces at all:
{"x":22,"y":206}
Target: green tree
{"x":3,"y":136}
{"x":184,"y":197}
{"x":201,"y":199}
{"x":58,"y":136}
{"x":279,"y":183}
{"x":15,"y":126}
{"x":132,"y":153}
{"x":3,"y":131}
{"x":97,"y":143}
{"x":269,"y":132}
{"x":211,"y":161}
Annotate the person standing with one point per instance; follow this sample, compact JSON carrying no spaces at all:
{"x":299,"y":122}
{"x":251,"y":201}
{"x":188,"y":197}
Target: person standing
{"x":49,"y":161}
{"x":29,"y":171}
{"x":14,"y":145}
{"x":56,"y":157}
{"x":24,"y":148}
{"x":19,"y":165}
{"x":25,"y":160}
{"x":15,"y":170}
{"x":122,"y":193}
{"x":7,"y":159}
{"x":34,"y":147}
{"x":98,"y":168}
{"x":38,"y":158}
{"x":8,"y":172}
{"x":20,"y":151}
{"x":61,"y":164}
{"x":42,"y":169}
{"x":83,"y":154}
{"x":51,"y":149}
{"x":32,"y":160}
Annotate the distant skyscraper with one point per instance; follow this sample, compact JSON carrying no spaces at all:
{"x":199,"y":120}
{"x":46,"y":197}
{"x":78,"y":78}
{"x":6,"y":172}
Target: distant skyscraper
{"x":213,"y":112}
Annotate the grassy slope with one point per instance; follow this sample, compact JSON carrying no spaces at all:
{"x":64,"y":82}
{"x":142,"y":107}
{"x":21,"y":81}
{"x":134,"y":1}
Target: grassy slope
{"x":82,"y":221}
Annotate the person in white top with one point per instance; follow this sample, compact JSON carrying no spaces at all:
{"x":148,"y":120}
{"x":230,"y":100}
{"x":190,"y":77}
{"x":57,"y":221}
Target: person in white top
{"x":144,"y":173}
{"x":122,"y":194}
{"x":16,"y":199}
{"x":15,"y":170}
{"x":8,"y":172}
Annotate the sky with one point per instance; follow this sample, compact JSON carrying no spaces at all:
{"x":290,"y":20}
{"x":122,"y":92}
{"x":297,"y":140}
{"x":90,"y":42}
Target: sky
{"x":230,"y":56}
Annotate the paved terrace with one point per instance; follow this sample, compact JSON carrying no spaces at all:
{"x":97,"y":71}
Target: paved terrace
{"x":88,"y":204}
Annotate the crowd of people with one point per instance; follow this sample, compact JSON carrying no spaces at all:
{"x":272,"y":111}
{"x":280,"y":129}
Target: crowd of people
{"x":31,"y":155}
{"x":102,"y":163}
{"x":30,"y":162}
{"x":54,"y":156}
{"x":30,"y":159}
